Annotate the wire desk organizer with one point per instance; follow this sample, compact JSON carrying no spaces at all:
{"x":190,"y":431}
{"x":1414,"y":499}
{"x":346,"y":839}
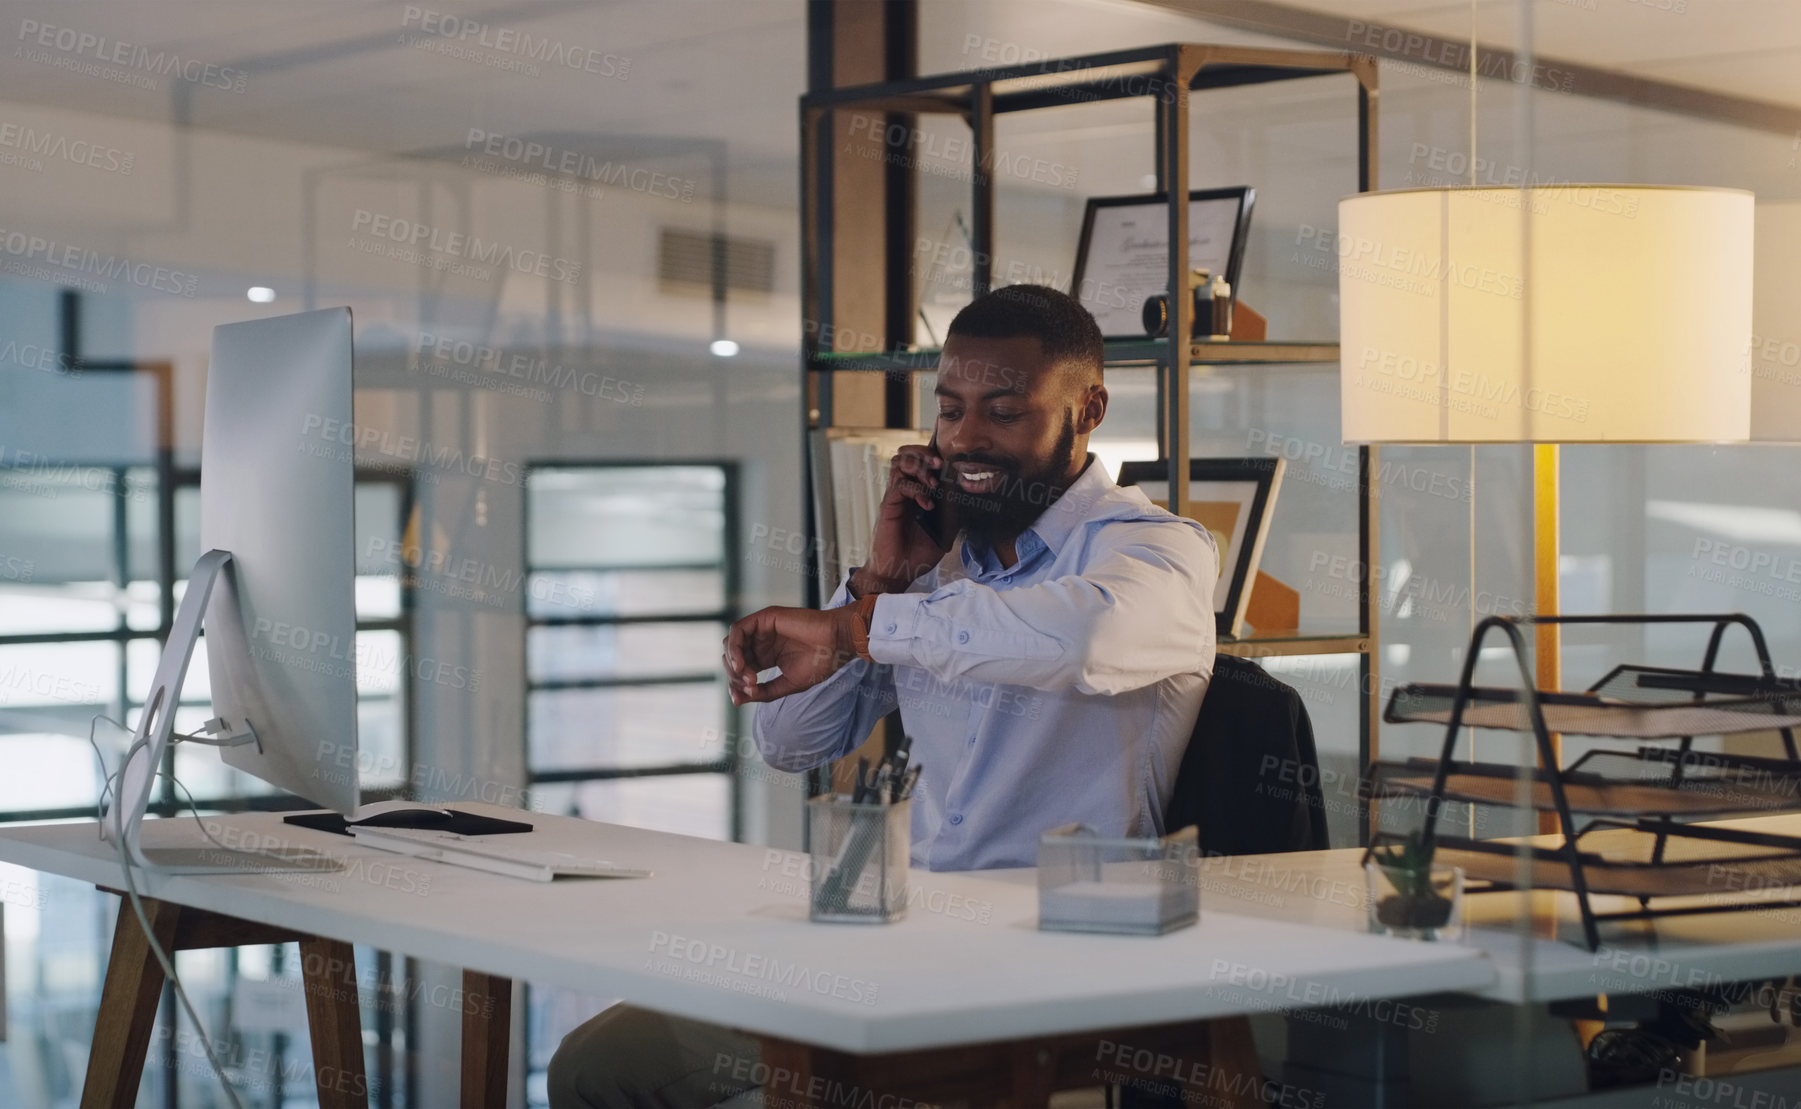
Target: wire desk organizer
{"x":1635,"y":844}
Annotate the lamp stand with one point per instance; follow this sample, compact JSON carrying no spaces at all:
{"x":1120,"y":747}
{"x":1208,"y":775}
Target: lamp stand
{"x":1545,"y":544}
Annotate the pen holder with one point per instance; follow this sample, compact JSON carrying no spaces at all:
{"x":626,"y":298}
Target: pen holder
{"x":1137,"y":886}
{"x":859,"y":859}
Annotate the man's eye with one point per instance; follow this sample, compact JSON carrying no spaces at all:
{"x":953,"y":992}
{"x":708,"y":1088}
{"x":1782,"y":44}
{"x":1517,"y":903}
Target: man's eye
{"x":949,"y":414}
{"x":1004,"y":417}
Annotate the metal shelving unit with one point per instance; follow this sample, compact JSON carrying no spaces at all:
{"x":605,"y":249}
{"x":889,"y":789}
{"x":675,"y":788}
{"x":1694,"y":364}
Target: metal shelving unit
{"x":1168,"y":75}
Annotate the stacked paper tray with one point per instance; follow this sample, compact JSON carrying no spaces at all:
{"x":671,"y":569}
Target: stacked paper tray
{"x":1620,"y":862}
{"x":1618,"y":783}
{"x":1593,"y":715}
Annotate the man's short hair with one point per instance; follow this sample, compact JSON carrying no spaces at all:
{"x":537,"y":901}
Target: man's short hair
{"x":1066,"y":330}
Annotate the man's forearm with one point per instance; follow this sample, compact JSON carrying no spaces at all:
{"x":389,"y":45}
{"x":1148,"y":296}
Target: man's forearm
{"x":866,"y":581}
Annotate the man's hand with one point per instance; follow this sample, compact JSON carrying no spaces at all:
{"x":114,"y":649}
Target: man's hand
{"x":809,"y":646}
{"x":900,"y":549}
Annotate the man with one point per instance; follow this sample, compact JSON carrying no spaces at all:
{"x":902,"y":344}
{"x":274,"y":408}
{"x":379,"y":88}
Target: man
{"x":1050,"y":673}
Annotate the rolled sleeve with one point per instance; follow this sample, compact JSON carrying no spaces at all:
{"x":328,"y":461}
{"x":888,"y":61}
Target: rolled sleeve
{"x":1140,"y":612}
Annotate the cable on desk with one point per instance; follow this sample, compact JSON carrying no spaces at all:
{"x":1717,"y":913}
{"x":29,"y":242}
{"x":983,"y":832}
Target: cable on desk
{"x":131,"y":889}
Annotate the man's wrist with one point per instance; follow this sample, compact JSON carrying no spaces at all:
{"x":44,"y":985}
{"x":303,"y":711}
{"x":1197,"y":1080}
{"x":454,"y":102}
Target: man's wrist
{"x":862,"y":584}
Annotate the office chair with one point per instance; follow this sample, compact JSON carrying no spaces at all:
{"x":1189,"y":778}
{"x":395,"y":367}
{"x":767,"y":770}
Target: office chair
{"x":1250,"y":777}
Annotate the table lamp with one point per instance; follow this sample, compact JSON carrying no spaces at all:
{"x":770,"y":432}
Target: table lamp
{"x":1546,"y":315}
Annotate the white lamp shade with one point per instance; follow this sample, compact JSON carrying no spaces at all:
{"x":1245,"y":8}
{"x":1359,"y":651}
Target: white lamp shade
{"x":1775,"y":336}
{"x":1557,"y":314}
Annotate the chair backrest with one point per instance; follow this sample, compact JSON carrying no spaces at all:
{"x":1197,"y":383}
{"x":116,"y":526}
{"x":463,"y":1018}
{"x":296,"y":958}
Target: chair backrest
{"x":1250,"y":776}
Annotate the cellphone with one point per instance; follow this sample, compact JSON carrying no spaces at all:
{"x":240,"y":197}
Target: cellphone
{"x":934,"y":520}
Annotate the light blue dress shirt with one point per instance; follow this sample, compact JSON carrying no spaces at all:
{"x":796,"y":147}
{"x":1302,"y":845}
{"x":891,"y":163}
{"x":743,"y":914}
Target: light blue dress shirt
{"x":1062,"y":689}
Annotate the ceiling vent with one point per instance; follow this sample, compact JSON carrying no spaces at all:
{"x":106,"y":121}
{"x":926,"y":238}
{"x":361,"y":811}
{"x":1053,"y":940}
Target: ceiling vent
{"x":685,"y":261}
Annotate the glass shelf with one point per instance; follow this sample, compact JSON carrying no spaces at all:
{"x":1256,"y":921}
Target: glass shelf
{"x":1120,"y":352}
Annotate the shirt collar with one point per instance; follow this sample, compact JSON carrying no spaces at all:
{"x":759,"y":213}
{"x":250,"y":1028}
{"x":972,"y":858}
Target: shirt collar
{"x":1077,"y":506}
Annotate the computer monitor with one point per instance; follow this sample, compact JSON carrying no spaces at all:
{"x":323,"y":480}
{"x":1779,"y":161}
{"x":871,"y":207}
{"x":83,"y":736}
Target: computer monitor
{"x":276,"y":587}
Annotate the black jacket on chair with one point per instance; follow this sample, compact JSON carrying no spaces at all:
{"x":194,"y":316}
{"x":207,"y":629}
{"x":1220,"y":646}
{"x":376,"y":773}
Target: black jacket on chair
{"x":1250,"y":776}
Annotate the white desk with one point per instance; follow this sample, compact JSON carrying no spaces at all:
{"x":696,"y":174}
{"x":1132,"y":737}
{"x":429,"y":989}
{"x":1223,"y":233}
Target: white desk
{"x":720,"y":934}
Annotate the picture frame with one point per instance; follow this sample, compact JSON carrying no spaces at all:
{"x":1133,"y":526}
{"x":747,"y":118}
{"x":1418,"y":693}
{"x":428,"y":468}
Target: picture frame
{"x":1123,"y":257}
{"x":1234,"y":499}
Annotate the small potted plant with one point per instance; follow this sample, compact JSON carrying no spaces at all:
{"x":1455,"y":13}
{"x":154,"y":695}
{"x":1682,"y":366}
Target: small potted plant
{"x":1408,"y":896}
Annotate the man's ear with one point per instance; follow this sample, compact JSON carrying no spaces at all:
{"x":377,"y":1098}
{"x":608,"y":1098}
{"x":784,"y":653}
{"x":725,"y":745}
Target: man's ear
{"x":1092,"y":410}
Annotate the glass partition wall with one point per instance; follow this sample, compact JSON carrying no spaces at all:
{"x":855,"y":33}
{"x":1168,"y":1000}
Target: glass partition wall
{"x":567,"y":488}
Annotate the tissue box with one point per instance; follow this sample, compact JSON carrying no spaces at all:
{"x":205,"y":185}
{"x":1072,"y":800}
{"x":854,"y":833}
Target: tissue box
{"x":1135,"y":886}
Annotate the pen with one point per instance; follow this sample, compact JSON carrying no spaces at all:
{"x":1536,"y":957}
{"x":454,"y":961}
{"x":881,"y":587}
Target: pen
{"x":906,"y":784}
{"x":897,"y":762}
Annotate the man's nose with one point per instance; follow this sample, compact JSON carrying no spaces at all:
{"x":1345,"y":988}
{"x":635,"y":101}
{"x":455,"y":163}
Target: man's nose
{"x":972,"y":436}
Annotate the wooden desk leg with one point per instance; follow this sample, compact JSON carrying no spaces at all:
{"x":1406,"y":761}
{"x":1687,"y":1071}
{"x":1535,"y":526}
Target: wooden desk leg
{"x":1231,"y":1049}
{"x":134,"y":986}
{"x":487,"y":1039}
{"x":334,"y":1018}
{"x":1034,"y":1077}
{"x":794,"y":1069}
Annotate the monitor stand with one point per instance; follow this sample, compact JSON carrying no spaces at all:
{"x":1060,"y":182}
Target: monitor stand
{"x":123,"y":822}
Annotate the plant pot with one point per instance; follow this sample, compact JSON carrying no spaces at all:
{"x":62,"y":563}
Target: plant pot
{"x":1415,"y":905}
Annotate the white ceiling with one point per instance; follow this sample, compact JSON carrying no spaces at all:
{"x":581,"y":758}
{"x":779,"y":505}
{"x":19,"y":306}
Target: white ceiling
{"x":1749,"y":48}
{"x":709,"y":76}
{"x":704,"y":75}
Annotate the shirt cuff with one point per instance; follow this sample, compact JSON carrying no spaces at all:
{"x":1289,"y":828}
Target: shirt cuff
{"x":842,"y":597}
{"x":892,"y":626}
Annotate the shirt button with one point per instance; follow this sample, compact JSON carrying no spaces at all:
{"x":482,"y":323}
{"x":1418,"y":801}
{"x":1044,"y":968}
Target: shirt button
{"x":962,"y":637}
{"x":956,"y":818}
{"x":891,"y":628}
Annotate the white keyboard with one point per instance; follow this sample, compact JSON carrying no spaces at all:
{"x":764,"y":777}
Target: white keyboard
{"x":222,"y":860}
{"x":497,"y":854}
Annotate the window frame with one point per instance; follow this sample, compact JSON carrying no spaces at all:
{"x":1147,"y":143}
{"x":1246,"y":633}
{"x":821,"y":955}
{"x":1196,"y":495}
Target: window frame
{"x":171,"y":481}
{"x":731,"y":573}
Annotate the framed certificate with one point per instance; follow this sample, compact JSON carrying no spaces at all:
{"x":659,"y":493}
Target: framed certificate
{"x":1234,"y":499}
{"x":1123,"y":259}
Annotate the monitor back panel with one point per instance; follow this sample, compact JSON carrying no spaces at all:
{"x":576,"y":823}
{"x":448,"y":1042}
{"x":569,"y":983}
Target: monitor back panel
{"x":277,"y":491}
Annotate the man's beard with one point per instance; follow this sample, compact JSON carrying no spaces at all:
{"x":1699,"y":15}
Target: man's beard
{"x":1018,"y":497}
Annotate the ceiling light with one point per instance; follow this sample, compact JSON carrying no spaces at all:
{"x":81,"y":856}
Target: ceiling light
{"x":724,"y":348}
{"x":260,"y":294}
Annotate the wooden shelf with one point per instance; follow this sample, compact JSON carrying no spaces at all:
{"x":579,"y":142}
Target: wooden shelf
{"x":1285,"y":643}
